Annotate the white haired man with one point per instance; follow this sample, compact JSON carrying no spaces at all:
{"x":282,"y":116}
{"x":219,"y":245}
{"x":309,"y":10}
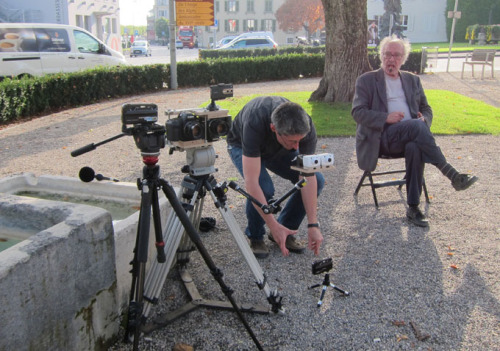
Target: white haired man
{"x":394,"y":119}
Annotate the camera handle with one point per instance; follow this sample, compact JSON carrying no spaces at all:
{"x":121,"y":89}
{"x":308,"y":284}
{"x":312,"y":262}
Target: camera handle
{"x":274,"y":205}
{"x":91,"y":147}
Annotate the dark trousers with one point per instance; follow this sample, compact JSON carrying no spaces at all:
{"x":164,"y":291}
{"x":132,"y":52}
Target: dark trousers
{"x":414,"y":140}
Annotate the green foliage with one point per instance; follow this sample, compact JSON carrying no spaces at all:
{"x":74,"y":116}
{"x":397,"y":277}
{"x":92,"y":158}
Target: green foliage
{"x":473,"y":12}
{"x":212,"y":54}
{"x":31,"y":96}
{"x":161,"y":28}
{"x":492,"y":32}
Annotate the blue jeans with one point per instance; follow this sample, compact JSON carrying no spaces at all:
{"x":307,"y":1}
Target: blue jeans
{"x":293,"y":213}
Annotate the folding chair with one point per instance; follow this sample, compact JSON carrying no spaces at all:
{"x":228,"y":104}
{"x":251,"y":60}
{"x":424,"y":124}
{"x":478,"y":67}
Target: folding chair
{"x":385,"y":183}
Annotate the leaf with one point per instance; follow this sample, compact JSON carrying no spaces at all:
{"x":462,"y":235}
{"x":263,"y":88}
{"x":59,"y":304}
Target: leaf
{"x":454,"y":266}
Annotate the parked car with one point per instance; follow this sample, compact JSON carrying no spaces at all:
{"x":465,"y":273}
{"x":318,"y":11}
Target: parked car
{"x":250,"y":43}
{"x":224,"y":41}
{"x":139,"y":48}
{"x":179,"y":44}
{"x":29,"y":49}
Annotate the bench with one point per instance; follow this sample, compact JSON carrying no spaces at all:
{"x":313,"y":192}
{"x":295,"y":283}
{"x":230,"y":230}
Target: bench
{"x":483,"y":57}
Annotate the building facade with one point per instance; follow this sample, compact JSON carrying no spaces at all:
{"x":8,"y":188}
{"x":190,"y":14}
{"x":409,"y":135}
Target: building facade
{"x":99,"y":17}
{"x":423,"y":20}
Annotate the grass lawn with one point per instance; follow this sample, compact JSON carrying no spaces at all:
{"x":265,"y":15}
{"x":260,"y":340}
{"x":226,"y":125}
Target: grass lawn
{"x":444,"y":47}
{"x":453,"y":113}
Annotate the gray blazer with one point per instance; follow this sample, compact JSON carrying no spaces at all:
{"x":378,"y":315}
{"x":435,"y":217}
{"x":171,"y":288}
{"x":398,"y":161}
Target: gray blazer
{"x":369,"y":110}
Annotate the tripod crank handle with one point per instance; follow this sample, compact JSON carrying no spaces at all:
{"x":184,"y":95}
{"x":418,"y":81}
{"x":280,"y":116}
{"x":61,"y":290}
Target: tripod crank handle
{"x":160,"y":248}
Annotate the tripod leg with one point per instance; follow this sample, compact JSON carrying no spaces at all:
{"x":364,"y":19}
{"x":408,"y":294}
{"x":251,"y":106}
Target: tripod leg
{"x":272,"y":296}
{"x":134,"y":320}
{"x":343,"y":292}
{"x":195,"y":238}
{"x":323,"y":291}
{"x":175,"y":241}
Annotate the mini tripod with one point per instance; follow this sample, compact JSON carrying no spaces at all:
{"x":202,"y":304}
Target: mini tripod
{"x":321,"y":267}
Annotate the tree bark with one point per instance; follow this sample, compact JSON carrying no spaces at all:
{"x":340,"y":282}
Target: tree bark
{"x":346,"y":54}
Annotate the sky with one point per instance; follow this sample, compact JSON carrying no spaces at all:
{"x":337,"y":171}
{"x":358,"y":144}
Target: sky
{"x":135,"y":12}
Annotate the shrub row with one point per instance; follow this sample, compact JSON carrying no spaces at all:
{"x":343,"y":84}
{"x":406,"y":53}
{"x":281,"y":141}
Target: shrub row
{"x":285,"y":50}
{"x":33,"y":96}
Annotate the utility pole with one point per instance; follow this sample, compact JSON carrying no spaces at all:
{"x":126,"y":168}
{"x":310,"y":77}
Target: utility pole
{"x":455,"y":15}
{"x":173,"y":60}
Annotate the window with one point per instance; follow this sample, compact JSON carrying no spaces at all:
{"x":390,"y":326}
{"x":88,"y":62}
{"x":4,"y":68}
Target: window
{"x":232,"y":6}
{"x":162,"y":13}
{"x":249,"y":25}
{"x":86,"y":43}
{"x":87,"y":23}
{"x":79,"y":21}
{"x":114,"y":27}
{"x":268,"y":25}
{"x":268,"y":6}
{"x":250,"y":6}
{"x":403,"y":19}
{"x":289,"y":40}
{"x":231,"y":26}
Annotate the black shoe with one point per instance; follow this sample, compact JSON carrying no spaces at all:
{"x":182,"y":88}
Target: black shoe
{"x":291,"y":244}
{"x":416,"y":217}
{"x":463,"y":181}
{"x":259,"y":248}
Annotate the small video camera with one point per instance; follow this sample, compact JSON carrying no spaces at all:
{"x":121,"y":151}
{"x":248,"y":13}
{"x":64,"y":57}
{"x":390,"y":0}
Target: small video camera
{"x":313,"y":163}
{"x":322,"y":266}
{"x":221,"y":91}
{"x":140,"y":120}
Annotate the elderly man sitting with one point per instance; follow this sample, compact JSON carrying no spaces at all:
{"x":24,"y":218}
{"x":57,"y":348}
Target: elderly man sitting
{"x":394,"y":118}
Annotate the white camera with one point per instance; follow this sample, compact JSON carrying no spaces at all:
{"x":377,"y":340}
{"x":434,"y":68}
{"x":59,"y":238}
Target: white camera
{"x":313,"y":163}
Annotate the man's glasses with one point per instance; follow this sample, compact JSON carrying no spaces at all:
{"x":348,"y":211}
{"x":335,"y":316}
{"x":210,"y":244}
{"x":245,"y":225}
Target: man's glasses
{"x":397,"y":56}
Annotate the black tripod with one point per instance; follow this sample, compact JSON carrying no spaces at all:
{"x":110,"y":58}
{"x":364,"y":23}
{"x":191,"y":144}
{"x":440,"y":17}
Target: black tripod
{"x":325,"y":284}
{"x":149,"y":138}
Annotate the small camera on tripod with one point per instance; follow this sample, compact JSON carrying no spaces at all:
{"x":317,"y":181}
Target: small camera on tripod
{"x":140,"y":120}
{"x":196,"y":127}
{"x":313,"y":163}
{"x":322,"y":266}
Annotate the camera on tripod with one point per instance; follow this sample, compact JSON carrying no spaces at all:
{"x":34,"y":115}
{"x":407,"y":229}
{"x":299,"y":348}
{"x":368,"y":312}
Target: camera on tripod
{"x":322,"y":266}
{"x":139,"y":120}
{"x":195,"y":127}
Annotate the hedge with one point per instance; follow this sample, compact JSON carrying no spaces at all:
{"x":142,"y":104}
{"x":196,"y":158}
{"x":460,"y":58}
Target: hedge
{"x":26,"y":97}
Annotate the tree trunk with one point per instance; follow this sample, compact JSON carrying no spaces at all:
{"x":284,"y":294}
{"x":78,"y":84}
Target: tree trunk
{"x":346,"y":50}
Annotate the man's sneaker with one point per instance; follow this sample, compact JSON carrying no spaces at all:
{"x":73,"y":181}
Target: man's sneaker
{"x":416,"y":217}
{"x":463,"y":181}
{"x":259,"y":248}
{"x":292,"y":244}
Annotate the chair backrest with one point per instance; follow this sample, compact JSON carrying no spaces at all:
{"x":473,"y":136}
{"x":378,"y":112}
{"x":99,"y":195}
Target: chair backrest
{"x":483,"y":55}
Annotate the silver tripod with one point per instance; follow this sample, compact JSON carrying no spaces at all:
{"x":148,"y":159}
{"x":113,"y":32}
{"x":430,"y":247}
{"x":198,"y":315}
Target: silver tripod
{"x":178,"y":245}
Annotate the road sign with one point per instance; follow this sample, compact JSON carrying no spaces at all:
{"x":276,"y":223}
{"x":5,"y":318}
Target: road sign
{"x":194,"y":12}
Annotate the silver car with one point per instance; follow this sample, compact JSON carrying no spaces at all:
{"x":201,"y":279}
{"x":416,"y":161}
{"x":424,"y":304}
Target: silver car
{"x":140,"y":48}
{"x":250,"y":43}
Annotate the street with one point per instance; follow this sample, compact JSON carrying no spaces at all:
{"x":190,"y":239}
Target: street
{"x":161,"y":54}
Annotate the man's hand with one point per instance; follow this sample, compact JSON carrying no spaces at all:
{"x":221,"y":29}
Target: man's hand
{"x":420,"y":116}
{"x":395,"y":117}
{"x":280,"y":233}
{"x":315,"y":239}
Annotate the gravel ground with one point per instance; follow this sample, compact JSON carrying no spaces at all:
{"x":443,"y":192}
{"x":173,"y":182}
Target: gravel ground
{"x":444,"y":280}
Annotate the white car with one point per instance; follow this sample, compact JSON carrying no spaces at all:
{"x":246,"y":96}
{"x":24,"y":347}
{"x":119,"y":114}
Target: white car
{"x":250,"y":43}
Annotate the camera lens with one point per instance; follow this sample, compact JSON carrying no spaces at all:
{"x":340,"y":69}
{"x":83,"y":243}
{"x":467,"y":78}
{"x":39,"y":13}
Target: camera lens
{"x":218,"y":128}
{"x":193,"y":130}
